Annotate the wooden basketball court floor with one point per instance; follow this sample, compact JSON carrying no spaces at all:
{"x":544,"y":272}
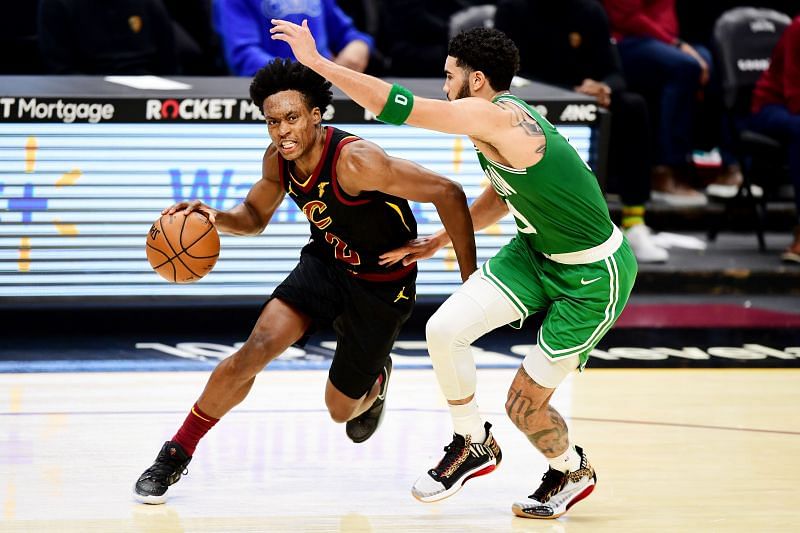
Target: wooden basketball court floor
{"x":675,"y":450}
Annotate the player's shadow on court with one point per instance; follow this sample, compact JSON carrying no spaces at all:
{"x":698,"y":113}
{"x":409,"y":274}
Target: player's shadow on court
{"x":161,"y":518}
{"x":354,"y":523}
{"x":529,"y":525}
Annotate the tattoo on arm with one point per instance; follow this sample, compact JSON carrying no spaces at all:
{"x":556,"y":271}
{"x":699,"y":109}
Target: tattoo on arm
{"x":521,"y":119}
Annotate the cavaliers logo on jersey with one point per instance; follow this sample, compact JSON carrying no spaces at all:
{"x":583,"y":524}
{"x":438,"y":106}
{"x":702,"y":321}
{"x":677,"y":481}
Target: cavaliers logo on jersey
{"x":313,"y":211}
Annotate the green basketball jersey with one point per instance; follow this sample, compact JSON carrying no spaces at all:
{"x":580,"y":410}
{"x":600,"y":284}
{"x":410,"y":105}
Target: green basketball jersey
{"x":557,"y":203}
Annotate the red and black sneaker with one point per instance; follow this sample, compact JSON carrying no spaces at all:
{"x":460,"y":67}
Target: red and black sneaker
{"x":463,"y":460}
{"x":170,"y":465}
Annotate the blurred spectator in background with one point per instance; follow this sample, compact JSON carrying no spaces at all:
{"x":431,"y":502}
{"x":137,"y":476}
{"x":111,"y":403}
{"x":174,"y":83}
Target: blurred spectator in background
{"x":197,"y":44}
{"x":776,"y":111}
{"x":418,"y":32}
{"x":367,"y":18}
{"x":244,"y":26}
{"x":19,"y":49}
{"x":696,"y":21}
{"x":568,"y":43}
{"x":697,"y":18}
{"x":104,"y":37}
{"x":659,"y":64}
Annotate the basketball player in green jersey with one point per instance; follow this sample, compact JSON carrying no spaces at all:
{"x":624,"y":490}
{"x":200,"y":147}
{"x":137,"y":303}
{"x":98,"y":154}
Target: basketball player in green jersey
{"x":567,"y":258}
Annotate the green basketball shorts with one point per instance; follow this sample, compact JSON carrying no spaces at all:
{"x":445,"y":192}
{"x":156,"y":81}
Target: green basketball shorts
{"x":582,"y":300}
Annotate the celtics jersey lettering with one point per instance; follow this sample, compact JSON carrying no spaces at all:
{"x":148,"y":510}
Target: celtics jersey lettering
{"x":349,"y":231}
{"x":557,"y":203}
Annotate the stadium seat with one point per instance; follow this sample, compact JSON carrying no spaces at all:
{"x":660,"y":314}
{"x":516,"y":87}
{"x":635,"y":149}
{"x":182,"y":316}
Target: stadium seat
{"x":744,"y":38}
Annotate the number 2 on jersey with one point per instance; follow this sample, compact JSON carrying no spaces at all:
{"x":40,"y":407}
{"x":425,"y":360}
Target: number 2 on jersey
{"x":341,"y":251}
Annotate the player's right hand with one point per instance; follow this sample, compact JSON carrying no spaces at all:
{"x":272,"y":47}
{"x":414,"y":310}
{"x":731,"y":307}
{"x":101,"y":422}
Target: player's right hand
{"x":299,"y":38}
{"x":413,"y":251}
{"x":194,"y":205}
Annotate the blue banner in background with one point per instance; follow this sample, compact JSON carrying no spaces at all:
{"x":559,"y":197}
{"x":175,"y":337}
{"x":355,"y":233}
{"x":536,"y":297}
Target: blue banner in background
{"x":77,"y":200}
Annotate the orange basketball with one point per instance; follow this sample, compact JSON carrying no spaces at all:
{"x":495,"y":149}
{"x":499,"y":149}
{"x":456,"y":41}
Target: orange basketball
{"x":182,"y":248}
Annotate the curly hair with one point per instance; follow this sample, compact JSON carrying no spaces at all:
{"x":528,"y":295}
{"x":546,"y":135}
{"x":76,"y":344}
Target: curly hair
{"x":488,"y":50}
{"x":283,"y":75}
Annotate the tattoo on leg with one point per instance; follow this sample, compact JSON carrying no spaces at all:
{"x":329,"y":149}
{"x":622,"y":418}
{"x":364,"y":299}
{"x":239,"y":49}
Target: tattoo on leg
{"x":522,"y":374}
{"x":525,"y":407}
{"x":553,"y":438}
{"x":520,"y":408}
{"x":528,"y":406}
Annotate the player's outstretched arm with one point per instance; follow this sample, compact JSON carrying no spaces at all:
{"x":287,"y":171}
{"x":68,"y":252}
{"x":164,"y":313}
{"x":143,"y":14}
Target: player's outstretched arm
{"x":392,"y":103}
{"x":363,"y":166}
{"x":487,"y":209}
{"x":254,"y":213}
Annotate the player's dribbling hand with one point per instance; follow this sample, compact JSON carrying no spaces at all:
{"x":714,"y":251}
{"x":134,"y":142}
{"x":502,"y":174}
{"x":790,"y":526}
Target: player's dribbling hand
{"x":194,"y":205}
{"x":414,"y":250}
{"x":298,"y":37}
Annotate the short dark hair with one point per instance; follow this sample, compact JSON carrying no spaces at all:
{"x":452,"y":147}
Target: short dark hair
{"x":488,"y":50}
{"x":284,"y":75}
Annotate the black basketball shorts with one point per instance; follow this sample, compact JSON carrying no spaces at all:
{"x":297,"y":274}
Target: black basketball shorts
{"x":366,"y":316}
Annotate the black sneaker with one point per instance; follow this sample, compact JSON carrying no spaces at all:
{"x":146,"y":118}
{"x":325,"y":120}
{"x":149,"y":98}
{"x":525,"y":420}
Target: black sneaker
{"x":559,"y":491}
{"x":463,"y":460}
{"x":152,"y":485}
{"x":364,"y":425}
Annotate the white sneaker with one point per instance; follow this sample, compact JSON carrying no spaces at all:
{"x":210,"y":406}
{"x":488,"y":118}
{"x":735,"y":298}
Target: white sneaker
{"x":668,"y":240}
{"x":696,"y":199}
{"x":463,"y":460}
{"x":558,"y":492}
{"x":640,"y":237}
{"x":720,"y":190}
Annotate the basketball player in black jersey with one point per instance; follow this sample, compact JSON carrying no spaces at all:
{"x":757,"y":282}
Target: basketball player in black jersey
{"x":355,"y":198}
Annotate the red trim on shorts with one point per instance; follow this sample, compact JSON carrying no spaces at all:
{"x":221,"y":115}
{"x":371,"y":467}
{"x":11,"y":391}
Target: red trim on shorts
{"x":387,"y":276}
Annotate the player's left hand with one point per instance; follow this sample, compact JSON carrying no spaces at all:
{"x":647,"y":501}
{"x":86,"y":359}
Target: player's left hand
{"x":414,"y":250}
{"x":298,"y":37}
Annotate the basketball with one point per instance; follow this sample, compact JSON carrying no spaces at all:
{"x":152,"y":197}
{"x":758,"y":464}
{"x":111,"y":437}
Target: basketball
{"x":182,"y":248}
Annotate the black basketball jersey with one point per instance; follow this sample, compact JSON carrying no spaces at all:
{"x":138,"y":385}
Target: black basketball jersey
{"x":352,"y":231}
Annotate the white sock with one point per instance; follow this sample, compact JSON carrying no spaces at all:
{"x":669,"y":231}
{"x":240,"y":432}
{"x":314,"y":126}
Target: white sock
{"x":467,"y":421}
{"x":569,"y":461}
